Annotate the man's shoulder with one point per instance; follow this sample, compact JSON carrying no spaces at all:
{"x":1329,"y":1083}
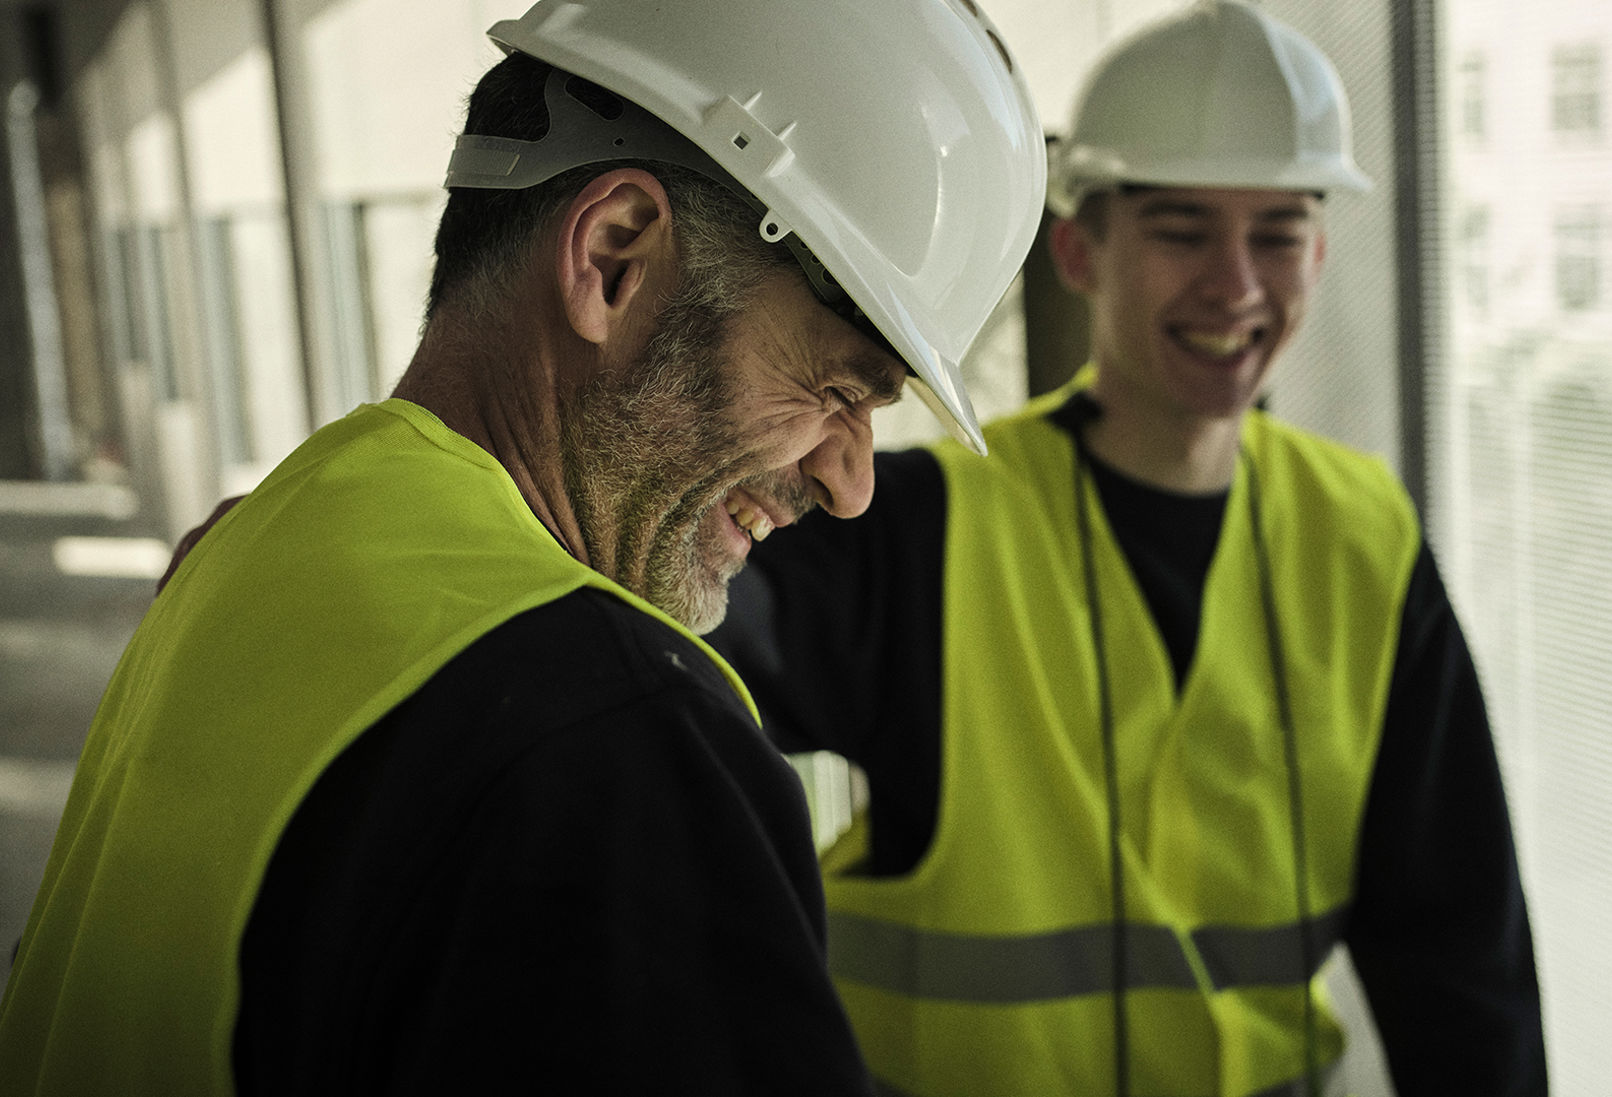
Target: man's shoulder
{"x":1327,"y":466}
{"x":583,"y":689}
{"x":1330,"y":495}
{"x":586,"y":653}
{"x":586,"y":689}
{"x":1262,"y":428}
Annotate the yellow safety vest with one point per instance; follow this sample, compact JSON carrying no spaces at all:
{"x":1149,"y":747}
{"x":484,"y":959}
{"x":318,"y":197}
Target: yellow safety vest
{"x":987,"y":971}
{"x":380,"y":549}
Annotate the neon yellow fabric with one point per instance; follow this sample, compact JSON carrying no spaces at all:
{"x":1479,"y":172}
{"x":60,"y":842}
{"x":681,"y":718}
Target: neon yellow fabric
{"x":1019,"y":865}
{"x":375,"y":553}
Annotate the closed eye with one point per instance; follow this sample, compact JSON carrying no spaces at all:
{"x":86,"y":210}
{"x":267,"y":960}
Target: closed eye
{"x":1279,"y":241}
{"x":1180,"y":236}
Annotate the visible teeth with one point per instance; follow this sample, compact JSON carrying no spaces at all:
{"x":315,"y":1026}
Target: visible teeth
{"x":751,"y":520}
{"x":1218,"y":345}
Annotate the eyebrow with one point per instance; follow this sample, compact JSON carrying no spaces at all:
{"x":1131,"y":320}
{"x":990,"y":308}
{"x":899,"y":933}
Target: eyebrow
{"x":1182,"y":207}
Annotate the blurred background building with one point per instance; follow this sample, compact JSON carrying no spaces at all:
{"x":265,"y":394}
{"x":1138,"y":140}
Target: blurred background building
{"x":215,"y":228}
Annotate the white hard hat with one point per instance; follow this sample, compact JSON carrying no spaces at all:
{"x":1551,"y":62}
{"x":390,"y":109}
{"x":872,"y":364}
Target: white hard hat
{"x":1217,"y":95}
{"x":896,"y":140}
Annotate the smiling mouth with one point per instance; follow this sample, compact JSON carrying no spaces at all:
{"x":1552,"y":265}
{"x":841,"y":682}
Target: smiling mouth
{"x":1218,"y":345}
{"x":749,"y":518}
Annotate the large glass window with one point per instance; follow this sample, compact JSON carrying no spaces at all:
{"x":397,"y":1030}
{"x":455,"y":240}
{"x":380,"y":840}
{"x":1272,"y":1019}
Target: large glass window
{"x":378,"y":148}
{"x":1470,"y":84}
{"x":1521,"y":504}
{"x":1474,"y":255}
{"x":1578,"y":258}
{"x":246,"y":289}
{"x":1575,"y":100}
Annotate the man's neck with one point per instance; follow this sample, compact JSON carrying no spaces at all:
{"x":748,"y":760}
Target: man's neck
{"x":518,"y":428}
{"x":1191,"y":456}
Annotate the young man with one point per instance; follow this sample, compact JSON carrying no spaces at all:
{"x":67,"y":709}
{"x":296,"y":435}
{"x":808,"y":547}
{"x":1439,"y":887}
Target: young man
{"x":416,"y":778}
{"x":1163,"y":698}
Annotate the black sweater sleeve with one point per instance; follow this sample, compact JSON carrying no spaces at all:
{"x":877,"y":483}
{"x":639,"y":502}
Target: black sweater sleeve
{"x":568,"y":864}
{"x":1439,"y":930}
{"x":836,"y":628}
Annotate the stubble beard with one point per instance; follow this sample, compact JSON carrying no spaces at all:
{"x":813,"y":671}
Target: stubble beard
{"x":649,"y":452}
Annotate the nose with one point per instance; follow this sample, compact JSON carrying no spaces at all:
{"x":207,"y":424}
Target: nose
{"x":840,"y":469}
{"x":1231,"y":277}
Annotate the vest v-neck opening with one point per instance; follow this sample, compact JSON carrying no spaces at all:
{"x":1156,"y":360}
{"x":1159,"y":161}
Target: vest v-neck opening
{"x":1169,"y":541}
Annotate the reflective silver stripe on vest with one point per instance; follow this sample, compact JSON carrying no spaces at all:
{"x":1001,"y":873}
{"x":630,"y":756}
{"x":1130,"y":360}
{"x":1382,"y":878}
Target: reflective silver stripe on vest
{"x":1237,"y":956}
{"x":969,"y":968}
{"x":973,"y":968}
{"x":1298,"y":1087}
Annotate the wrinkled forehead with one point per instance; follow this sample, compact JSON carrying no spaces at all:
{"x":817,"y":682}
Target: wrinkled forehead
{"x":1220,"y":203}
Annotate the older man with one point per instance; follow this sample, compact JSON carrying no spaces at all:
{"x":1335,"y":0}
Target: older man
{"x":1163,"y":697}
{"x":416,"y":778}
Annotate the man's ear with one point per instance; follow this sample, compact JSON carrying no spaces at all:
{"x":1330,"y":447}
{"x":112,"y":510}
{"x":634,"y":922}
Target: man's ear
{"x":1071,"y":247}
{"x":614,"y":238}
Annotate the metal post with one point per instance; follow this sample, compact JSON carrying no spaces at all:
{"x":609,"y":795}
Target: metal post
{"x":1057,"y":321}
{"x":1418,"y":243}
{"x":302,"y":201}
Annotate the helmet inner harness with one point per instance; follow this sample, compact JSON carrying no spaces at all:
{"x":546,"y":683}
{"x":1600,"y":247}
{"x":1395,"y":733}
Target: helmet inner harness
{"x":591,"y":125}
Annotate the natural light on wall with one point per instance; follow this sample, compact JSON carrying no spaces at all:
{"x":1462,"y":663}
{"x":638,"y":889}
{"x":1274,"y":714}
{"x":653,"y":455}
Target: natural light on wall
{"x":248,"y":306}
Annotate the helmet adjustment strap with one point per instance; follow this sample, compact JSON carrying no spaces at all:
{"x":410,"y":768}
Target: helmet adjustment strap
{"x":590,"y":131}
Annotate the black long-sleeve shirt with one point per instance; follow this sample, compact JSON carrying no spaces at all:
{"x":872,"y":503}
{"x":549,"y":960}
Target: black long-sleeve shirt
{"x":836,"y":627}
{"x":568,"y":864}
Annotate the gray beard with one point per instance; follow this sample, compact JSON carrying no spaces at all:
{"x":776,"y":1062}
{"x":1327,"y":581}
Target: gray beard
{"x":648,"y":452}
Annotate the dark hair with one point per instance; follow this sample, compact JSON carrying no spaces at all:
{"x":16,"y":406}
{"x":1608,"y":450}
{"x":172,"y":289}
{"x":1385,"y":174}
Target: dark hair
{"x":484,"y":233}
{"x":1092,"y":212}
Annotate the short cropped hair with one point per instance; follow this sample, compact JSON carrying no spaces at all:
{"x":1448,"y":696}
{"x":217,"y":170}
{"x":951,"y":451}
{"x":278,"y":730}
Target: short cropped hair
{"x":1092,"y":212}
{"x":485,"y":234}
